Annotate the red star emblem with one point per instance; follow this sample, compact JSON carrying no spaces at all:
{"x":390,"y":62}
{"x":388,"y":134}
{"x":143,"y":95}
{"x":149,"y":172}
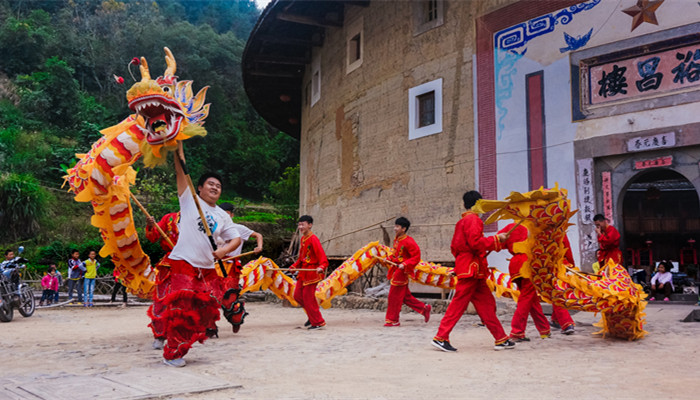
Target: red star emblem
{"x":643,"y":12}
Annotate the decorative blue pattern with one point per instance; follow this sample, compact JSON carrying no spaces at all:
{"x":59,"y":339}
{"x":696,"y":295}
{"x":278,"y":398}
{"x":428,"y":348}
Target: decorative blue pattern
{"x":575,"y":43}
{"x":508,"y":40}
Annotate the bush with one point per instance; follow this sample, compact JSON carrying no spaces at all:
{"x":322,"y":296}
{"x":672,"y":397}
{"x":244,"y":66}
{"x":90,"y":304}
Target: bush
{"x":22,"y":204}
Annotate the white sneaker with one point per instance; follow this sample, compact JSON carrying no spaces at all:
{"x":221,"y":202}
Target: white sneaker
{"x":158,"y":344}
{"x":177,"y":362}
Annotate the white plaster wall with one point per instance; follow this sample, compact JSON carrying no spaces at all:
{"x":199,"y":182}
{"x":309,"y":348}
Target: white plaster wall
{"x":609,"y":25}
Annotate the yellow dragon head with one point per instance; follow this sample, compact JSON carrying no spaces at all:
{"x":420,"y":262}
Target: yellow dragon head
{"x":166,"y":110}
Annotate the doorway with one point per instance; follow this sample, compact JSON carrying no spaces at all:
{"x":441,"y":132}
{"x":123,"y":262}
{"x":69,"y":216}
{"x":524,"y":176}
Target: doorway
{"x":661,"y":217}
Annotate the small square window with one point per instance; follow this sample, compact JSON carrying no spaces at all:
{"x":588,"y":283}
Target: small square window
{"x":425,"y":109}
{"x":354,"y":45}
{"x":427,"y":14}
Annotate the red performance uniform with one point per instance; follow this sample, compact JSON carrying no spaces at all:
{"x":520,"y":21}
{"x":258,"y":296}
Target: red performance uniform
{"x":406,"y":252}
{"x":609,"y":243}
{"x":470,"y":247}
{"x":194,"y":291}
{"x":311,"y":256}
{"x":561,"y":315}
{"x":169,"y":225}
{"x":529,"y":300}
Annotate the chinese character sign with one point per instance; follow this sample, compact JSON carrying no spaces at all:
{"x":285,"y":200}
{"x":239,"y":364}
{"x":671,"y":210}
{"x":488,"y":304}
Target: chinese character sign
{"x":652,"y":142}
{"x":657,"y":162}
{"x":607,"y":196}
{"x":586,"y":198}
{"x":646,"y":75}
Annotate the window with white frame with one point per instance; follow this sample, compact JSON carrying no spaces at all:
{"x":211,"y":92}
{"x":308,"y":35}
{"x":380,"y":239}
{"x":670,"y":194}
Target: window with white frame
{"x":315,"y":80}
{"x":354,"y":47}
{"x":427,"y":14}
{"x":425,"y":109}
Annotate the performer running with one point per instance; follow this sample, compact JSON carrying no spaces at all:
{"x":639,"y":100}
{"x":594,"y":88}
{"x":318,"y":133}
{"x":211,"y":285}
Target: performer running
{"x":529,"y":300}
{"x":311,"y":257}
{"x":407,"y":256}
{"x":168,"y":224}
{"x":608,"y":241}
{"x":192,"y":304}
{"x":233,"y":267}
{"x":470,"y":247}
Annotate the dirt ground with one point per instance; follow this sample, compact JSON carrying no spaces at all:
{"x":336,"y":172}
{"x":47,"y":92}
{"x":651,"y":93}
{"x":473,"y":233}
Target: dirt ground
{"x":272,"y":357}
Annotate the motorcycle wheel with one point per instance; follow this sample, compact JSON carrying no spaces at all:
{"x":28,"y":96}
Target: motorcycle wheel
{"x":27,"y":304}
{"x":6,"y":312}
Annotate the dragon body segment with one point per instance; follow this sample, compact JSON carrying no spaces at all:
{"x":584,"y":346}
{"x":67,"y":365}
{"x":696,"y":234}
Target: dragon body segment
{"x":546,"y":212}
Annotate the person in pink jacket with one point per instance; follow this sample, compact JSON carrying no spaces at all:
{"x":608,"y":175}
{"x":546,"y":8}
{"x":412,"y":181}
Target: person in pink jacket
{"x":50,"y":284}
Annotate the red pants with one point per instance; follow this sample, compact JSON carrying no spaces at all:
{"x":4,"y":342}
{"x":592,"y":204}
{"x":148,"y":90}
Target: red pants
{"x":399,"y":295}
{"x":478,"y":292}
{"x":528,"y":304}
{"x":562,"y":317}
{"x":191,"y":306}
{"x":305,"y":296}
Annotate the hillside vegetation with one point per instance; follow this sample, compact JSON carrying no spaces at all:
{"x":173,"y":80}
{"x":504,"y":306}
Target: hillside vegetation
{"x":57,"y":91}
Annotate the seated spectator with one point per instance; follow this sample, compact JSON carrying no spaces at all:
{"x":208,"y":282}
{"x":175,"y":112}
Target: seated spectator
{"x":662,"y":281}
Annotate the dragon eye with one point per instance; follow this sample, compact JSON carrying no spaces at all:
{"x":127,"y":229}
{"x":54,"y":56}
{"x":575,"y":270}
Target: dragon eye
{"x":166,"y":89}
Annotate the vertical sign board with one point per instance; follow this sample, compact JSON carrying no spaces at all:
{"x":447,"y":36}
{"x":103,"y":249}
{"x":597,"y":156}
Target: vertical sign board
{"x":586,"y":198}
{"x":607,"y":196}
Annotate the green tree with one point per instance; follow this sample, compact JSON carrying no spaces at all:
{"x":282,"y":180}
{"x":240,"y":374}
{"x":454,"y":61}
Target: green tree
{"x":22,"y":204}
{"x":51,"y":95}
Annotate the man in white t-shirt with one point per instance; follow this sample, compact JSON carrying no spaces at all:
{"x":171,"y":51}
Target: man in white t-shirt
{"x":193,"y":296}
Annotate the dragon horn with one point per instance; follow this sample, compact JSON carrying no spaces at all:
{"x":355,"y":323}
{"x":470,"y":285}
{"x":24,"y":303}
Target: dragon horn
{"x":170,"y":60}
{"x":143,"y":67}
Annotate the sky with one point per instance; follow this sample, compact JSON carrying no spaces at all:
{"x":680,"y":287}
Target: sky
{"x":261,"y":3}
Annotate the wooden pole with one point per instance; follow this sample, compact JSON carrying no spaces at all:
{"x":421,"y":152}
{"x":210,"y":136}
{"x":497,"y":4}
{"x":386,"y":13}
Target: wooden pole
{"x":384,"y":260}
{"x":238,"y":256}
{"x":143,"y":210}
{"x":578,"y":273}
{"x":290,"y":269}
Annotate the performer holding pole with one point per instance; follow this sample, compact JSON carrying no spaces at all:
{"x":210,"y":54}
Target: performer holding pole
{"x":608,"y":240}
{"x":405,"y":257}
{"x":311,"y":256}
{"x":529,"y":300}
{"x":192,"y":304}
{"x":469,"y":247}
{"x":166,"y":231}
{"x":232,"y":261}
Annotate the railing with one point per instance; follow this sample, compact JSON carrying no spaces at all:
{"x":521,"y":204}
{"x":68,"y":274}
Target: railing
{"x":103,"y":284}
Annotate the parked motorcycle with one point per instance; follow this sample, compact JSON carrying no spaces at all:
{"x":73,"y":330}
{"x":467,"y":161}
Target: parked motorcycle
{"x":13,"y":292}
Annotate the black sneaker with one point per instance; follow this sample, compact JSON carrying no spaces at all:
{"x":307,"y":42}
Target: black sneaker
{"x":315,"y":327}
{"x":569,"y":330}
{"x":212,"y":333}
{"x":507,"y":345}
{"x":443,"y":345}
{"x":554,"y":324}
{"x":522,"y":339}
{"x":307,"y":323}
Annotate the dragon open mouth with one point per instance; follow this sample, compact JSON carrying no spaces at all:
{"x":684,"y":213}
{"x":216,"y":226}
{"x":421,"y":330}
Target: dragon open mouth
{"x":162,"y":115}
